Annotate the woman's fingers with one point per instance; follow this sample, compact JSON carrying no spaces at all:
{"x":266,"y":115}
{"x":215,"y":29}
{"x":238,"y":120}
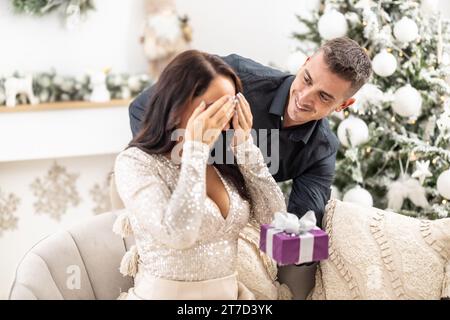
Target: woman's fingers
{"x":242,"y":121}
{"x":224,"y":112}
{"x":201,"y":107}
{"x":235,"y":121}
{"x":245,"y":108}
{"x":217,"y":106}
{"x":226,"y":117}
{"x":213,"y":120}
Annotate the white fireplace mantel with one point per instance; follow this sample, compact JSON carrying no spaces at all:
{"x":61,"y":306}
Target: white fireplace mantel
{"x":68,"y":129}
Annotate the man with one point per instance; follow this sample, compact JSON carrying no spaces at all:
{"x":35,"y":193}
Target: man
{"x":298,"y":106}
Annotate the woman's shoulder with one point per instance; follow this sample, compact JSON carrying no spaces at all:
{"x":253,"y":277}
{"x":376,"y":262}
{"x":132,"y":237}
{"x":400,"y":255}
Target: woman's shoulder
{"x":134,"y":157}
{"x":135,"y":169}
{"x":135,"y":152}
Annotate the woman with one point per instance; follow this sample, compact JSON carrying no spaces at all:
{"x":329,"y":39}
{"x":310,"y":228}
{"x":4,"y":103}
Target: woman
{"x":186,"y":213}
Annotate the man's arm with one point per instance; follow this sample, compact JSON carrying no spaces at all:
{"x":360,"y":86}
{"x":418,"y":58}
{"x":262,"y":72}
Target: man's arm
{"x":311,"y":190}
{"x":245,"y":67}
{"x":137,"y":109}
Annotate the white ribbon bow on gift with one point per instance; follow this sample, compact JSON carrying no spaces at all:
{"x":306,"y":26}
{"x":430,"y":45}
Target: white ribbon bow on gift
{"x":290,"y":223}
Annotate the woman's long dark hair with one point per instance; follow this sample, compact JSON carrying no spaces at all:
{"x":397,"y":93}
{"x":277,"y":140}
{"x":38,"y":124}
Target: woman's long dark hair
{"x":186,"y":77}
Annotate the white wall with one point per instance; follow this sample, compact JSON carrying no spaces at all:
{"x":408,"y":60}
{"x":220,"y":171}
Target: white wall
{"x":259,"y":29}
{"x":108,"y":38}
{"x":445,"y":8}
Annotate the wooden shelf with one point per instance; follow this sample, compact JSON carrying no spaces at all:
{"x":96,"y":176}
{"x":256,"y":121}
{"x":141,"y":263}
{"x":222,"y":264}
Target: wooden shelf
{"x":65,"y":106}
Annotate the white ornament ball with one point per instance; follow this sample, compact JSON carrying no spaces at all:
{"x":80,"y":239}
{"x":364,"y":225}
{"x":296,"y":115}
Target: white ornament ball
{"x":384,"y":64}
{"x":335,"y":193}
{"x":429,"y":7}
{"x":367,"y":95}
{"x":359,"y":196}
{"x":406,"y":30}
{"x":407,"y":102}
{"x":332,"y":25}
{"x":443,"y":184}
{"x":295,"y":61}
{"x":355,"y":129}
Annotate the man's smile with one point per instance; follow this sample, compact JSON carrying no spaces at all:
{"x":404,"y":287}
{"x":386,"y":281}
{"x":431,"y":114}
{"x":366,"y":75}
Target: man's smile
{"x":300,"y":108}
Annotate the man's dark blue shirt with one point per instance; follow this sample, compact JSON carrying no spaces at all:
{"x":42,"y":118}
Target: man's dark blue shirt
{"x":307,"y":152}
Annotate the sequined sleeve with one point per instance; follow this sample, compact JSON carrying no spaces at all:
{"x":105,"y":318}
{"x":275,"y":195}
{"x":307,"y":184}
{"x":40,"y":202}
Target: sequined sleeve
{"x":267,"y":197}
{"x":173,"y":218}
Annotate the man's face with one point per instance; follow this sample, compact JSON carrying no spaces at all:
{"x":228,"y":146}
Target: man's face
{"x":316,"y":92}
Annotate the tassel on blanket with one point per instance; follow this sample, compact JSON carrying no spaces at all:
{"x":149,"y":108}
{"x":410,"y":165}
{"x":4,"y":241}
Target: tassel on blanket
{"x":446,"y":284}
{"x":129,"y":264}
{"x":122,"y":225}
{"x":123,"y":296}
{"x":284,"y":292}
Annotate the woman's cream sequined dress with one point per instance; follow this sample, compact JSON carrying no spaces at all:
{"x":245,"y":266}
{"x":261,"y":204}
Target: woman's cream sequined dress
{"x":180,"y":233}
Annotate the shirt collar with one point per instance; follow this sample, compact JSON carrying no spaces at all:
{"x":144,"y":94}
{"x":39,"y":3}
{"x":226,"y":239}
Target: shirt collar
{"x":280,"y":99}
{"x":298,"y":133}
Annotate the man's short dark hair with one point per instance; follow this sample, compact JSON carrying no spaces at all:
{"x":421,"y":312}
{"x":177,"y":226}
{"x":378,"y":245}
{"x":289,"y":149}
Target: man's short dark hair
{"x":347,"y":59}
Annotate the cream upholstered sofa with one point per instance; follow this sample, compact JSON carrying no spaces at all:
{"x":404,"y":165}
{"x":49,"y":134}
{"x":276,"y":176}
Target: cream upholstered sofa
{"x":78,"y":263}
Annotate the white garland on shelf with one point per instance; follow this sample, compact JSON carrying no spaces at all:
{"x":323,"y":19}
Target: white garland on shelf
{"x":73,"y":10}
{"x":51,"y":87}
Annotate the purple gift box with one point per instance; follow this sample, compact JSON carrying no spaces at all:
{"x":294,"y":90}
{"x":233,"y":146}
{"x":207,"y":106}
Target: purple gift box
{"x":293,"y":249}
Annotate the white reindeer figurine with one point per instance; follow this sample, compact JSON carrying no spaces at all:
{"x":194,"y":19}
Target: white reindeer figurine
{"x":15,"y":86}
{"x":100,"y":91}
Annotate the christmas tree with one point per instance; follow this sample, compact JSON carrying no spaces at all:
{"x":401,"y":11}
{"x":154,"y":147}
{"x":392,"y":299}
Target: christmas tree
{"x":395,"y":139}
